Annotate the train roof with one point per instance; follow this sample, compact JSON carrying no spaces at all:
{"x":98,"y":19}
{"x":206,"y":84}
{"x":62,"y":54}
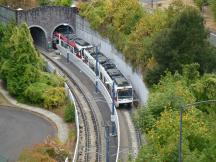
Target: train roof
{"x":111,"y":69}
{"x":93,"y":54}
{"x":113,"y":72}
{"x":118,"y":77}
{"x":71,"y":36}
{"x":102,"y":59}
{"x":81,"y":42}
{"x":121,"y":81}
{"x":108,"y":65}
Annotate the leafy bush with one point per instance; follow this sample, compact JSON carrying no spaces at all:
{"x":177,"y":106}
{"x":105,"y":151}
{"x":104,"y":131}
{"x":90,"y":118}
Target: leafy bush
{"x":69,"y":113}
{"x":213,"y":7}
{"x":51,"y":79}
{"x":34,"y":93}
{"x":50,"y":151}
{"x":66,"y":3}
{"x":54,"y":97}
{"x":31,"y":156}
{"x":170,"y":93}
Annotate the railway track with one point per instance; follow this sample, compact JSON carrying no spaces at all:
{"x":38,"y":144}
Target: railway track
{"x":90,"y":140}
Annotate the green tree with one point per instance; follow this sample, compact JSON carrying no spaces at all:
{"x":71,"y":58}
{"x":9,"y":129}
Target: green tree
{"x":43,"y":2}
{"x":141,"y":38}
{"x":95,"y":11}
{"x":184,"y":42}
{"x":34,"y":93}
{"x":213,"y":7}
{"x":54,"y":97}
{"x":201,"y":3}
{"x":170,"y":93}
{"x":22,"y":67}
{"x":69,"y":113}
{"x":5,"y":34}
{"x":66,"y":3}
{"x":163,"y":139}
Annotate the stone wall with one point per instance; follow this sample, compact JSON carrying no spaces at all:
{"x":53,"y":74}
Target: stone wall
{"x":7,"y":14}
{"x":47,"y":18}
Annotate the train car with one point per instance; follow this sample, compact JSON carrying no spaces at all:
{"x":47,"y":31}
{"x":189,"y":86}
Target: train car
{"x":108,"y":72}
{"x":68,"y":41}
{"x":60,"y":38}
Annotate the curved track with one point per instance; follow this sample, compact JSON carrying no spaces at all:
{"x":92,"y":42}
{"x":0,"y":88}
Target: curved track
{"x":90,"y":140}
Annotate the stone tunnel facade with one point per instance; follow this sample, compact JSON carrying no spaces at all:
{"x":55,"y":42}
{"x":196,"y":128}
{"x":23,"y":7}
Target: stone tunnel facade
{"x":46,"y":18}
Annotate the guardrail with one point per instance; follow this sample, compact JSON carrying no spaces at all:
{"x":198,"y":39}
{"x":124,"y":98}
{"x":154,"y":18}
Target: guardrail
{"x":86,"y":69}
{"x":72,"y":100}
{"x":51,"y":68}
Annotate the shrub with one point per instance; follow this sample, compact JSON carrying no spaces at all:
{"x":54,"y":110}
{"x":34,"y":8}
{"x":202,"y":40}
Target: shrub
{"x":54,"y":97}
{"x":49,"y":151}
{"x":69,"y":113}
{"x":34,"y":93}
{"x":31,"y":156}
{"x":51,"y":79}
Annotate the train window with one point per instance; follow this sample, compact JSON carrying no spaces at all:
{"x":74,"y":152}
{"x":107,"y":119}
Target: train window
{"x":125,"y":93}
{"x":101,"y":76}
{"x":104,"y":80}
{"x":76,"y":50}
{"x":62,"y":43}
{"x":57,"y":41}
{"x":108,"y":87}
{"x":65,"y":45}
{"x":86,"y":59}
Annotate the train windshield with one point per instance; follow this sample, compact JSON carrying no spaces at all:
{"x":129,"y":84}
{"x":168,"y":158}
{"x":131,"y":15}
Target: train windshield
{"x":90,"y":50}
{"x":125,"y":93}
{"x":81,"y":42}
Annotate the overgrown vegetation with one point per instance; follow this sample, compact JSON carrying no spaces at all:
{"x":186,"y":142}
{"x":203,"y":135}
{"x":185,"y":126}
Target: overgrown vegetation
{"x":66,"y":3}
{"x":50,"y":151}
{"x":155,"y":42}
{"x":69,"y":113}
{"x":22,"y":69}
{"x":159,"y":119}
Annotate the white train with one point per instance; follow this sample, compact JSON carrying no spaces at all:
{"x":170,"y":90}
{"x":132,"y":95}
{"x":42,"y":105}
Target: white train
{"x":108,"y":72}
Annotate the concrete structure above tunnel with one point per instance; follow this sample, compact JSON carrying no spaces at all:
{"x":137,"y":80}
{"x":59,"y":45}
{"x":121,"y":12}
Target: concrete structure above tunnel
{"x":44,"y":19}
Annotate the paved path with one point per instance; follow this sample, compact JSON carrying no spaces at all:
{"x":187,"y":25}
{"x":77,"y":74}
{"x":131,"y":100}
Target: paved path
{"x":20,"y":129}
{"x":62,"y":127}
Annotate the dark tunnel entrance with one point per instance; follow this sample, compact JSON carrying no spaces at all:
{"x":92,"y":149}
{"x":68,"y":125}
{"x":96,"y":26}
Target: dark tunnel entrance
{"x":64,"y":29}
{"x":39,"y":37}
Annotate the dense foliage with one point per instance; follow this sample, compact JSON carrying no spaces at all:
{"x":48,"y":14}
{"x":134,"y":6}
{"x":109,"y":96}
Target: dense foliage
{"x":22,"y":69}
{"x":69,"y":113}
{"x":50,"y":151}
{"x":54,"y":97}
{"x":183,"y":43}
{"x":66,"y":3}
{"x":159,"y":119}
{"x":213,"y":7}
